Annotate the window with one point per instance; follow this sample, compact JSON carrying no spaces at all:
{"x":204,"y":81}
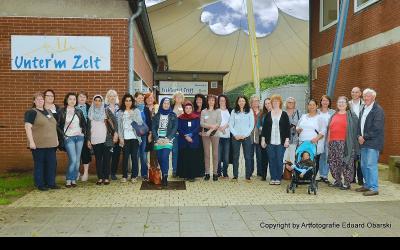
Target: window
{"x":329,"y":12}
{"x":362,"y":4}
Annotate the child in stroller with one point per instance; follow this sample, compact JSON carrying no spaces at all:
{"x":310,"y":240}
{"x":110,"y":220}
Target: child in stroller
{"x":303,"y":172}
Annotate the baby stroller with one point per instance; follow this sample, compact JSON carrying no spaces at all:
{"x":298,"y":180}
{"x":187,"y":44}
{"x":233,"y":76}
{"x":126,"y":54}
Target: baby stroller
{"x":309,"y":172}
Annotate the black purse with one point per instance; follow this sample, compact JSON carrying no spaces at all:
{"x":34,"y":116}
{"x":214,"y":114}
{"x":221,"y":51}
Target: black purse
{"x":61,"y":135}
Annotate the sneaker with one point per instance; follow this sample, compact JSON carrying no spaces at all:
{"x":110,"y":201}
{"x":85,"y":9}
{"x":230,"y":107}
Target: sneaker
{"x":277,"y":182}
{"x":272,"y":182}
{"x":207,"y":177}
{"x":123,"y":180}
{"x":68,"y":184}
{"x":114,"y":177}
{"x":370,"y":193}
{"x":106,"y":182}
{"x":133,"y":180}
{"x":344,"y":187}
{"x":362,"y":189}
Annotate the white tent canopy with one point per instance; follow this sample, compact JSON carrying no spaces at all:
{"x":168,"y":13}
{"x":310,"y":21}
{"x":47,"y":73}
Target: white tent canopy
{"x":191,"y":45}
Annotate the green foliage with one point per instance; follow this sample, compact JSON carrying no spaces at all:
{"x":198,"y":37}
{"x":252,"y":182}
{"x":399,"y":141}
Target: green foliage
{"x":271,"y":82}
{"x":13,"y":186}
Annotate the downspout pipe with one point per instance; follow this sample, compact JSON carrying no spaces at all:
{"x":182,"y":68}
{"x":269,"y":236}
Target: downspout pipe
{"x":131,"y":83}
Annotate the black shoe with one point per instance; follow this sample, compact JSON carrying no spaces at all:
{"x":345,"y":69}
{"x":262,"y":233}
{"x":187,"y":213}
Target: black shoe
{"x":215,"y":178}
{"x":335,"y":185}
{"x":42,"y":188}
{"x":207,"y":177}
{"x":54,"y":187}
{"x":191,"y":180}
{"x":263,"y":178}
{"x":165,"y":181}
{"x":361,"y":183}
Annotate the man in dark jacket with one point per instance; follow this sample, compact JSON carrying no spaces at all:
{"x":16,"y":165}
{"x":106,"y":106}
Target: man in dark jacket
{"x":371,"y":139}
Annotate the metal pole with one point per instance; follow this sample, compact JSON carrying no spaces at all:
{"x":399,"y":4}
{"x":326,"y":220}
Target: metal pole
{"x":337,"y":47}
{"x":253,"y":46}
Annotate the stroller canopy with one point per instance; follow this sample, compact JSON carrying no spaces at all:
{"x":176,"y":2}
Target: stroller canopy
{"x":306,"y":146}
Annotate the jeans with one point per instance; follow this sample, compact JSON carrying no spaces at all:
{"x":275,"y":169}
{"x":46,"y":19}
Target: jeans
{"x":130,"y":149}
{"x":115,"y":155}
{"x":256,"y":148}
{"x":102,"y":154}
{"x":143,"y":157}
{"x":73,"y":146}
{"x":247,"y":156}
{"x":369,"y":167}
{"x":163,"y":160}
{"x":323,"y":166}
{"x":275,"y":156}
{"x":45,"y":164}
{"x":223,"y":156}
{"x":175,"y":152}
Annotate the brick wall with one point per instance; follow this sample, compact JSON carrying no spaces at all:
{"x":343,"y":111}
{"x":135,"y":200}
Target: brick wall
{"x":377,"y":69}
{"x":17,"y":87}
{"x":377,"y":18}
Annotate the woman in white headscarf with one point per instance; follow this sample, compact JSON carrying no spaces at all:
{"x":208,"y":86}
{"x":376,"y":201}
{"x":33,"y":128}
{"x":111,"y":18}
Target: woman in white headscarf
{"x":103,"y":135}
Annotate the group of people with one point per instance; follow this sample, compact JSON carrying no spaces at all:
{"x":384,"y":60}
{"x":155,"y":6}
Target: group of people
{"x":204,"y":137}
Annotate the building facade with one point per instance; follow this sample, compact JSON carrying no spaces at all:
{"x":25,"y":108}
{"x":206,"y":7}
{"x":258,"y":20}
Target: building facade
{"x":105,"y":18}
{"x":370,"y":56}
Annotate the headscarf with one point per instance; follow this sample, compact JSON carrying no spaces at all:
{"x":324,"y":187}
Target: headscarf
{"x":161,"y":110}
{"x":190,"y":116}
{"x":97,"y":114}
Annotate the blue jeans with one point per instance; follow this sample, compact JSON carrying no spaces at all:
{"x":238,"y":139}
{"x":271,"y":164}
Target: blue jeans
{"x":163,"y":160}
{"x":175,"y":152}
{"x":73,"y":146}
{"x":256,"y":148}
{"x":247,"y":156}
{"x":45,"y":164}
{"x":143,"y":157}
{"x":223,"y":156}
{"x":323,"y":166}
{"x":275,"y":157}
{"x":369,"y":167}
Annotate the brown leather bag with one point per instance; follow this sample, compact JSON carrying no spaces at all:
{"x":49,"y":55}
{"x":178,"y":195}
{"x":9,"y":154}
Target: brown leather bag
{"x":155,"y":175}
{"x":287,"y":174}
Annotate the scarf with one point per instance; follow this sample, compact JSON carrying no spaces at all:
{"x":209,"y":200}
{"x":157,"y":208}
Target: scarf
{"x":161,"y":110}
{"x":97,"y":114}
{"x":186,"y":116}
{"x":82,"y":107}
{"x":140,"y":107}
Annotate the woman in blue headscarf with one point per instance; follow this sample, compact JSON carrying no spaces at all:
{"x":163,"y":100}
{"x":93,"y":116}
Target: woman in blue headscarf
{"x":164,"y":127}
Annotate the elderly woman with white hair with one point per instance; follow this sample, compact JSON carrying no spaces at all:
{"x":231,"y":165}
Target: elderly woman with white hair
{"x":112,"y":103}
{"x":371,"y":140}
{"x":255,"y":136}
{"x":294,"y":117}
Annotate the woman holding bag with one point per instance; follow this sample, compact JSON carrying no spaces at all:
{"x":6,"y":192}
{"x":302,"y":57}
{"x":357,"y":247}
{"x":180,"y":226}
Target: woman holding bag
{"x":165,"y":126}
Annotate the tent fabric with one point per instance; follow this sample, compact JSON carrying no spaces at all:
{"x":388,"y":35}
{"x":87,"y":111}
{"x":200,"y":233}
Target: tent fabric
{"x":191,"y":45}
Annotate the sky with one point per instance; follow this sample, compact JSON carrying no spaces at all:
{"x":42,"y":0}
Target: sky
{"x":227,"y":16}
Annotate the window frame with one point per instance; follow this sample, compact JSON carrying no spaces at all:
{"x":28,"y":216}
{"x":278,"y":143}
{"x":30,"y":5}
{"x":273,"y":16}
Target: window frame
{"x":364,"y":5}
{"x":321,"y":16}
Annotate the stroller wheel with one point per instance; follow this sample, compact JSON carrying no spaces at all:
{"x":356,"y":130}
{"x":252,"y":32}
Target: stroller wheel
{"x":287,"y":189}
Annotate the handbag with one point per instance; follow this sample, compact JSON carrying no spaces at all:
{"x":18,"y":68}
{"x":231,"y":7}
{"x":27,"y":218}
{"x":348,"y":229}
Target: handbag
{"x":140,"y":130}
{"x":61,"y":136}
{"x":155,"y":175}
{"x":287,"y":174}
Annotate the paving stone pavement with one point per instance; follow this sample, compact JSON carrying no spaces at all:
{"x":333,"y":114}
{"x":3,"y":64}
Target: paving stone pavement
{"x":225,"y":221}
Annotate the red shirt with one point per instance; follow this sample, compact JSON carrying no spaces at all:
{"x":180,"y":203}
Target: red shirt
{"x":337,"y":128}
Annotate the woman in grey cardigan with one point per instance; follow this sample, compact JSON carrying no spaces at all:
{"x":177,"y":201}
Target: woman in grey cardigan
{"x":342,"y":144}
{"x":128,"y":139}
